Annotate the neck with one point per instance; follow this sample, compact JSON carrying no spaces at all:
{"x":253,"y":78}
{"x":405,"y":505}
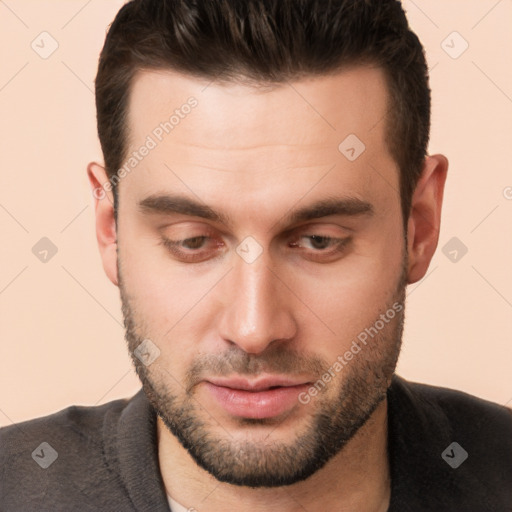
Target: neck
{"x":357,"y":478}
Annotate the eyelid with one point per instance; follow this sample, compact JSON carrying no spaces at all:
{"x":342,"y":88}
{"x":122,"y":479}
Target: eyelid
{"x":195,"y":256}
{"x":335,"y":243}
{"x":319,"y":228}
{"x":211,"y":234}
{"x":202,"y":228}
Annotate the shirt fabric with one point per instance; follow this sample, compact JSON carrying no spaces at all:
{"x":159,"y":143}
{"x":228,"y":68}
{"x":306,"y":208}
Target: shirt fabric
{"x":105,"y":458}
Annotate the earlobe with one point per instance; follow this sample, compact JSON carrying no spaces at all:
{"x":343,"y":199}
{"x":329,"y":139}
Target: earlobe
{"x":106,"y":233}
{"x":425,"y":217}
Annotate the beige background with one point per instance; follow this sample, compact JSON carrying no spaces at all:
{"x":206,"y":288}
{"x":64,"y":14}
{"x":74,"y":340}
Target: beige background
{"x":60,"y":321}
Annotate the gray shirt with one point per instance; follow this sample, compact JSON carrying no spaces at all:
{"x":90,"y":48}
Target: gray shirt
{"x":448,"y":451}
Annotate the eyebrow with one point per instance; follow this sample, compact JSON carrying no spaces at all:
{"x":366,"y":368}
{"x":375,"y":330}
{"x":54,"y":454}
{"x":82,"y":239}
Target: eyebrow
{"x":175,"y":204}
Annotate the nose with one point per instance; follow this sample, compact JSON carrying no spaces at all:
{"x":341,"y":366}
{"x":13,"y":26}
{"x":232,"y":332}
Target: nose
{"x":257,"y":307}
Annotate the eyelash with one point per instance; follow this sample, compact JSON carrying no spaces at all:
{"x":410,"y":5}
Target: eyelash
{"x":320,"y":255}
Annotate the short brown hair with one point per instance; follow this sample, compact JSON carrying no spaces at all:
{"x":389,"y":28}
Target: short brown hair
{"x":272,"y":41}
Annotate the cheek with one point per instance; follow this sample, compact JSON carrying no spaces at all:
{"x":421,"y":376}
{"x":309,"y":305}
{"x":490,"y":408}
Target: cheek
{"x":171,"y":304}
{"x":351,"y":295}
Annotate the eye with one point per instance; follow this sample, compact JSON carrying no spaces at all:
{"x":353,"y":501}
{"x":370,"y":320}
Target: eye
{"x":315,"y":247}
{"x":195,"y":242}
{"x":318,"y":241}
{"x":193,"y":249}
{"x":320,"y":248}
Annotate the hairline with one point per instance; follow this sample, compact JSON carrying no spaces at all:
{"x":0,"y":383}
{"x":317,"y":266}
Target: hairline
{"x":259,"y":84}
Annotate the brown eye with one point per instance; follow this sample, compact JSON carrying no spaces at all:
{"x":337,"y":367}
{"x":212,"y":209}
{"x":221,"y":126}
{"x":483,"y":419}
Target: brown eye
{"x":320,"y":248}
{"x":194,"y":249}
{"x":320,"y":242}
{"x":193,"y":243}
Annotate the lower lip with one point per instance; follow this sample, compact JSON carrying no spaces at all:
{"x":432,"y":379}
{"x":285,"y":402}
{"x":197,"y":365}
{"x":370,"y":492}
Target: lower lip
{"x":256,"y":404}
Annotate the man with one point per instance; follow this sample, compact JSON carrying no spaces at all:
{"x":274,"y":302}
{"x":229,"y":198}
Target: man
{"x":265,"y":199}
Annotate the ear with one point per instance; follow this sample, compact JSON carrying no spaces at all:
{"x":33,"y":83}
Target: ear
{"x":105,"y":221}
{"x":425,"y":216}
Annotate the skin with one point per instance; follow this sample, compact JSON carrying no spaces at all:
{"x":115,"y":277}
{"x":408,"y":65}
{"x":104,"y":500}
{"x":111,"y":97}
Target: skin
{"x":255,"y":155}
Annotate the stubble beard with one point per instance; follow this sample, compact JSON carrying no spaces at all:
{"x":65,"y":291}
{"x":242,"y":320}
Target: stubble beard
{"x":334,"y":420}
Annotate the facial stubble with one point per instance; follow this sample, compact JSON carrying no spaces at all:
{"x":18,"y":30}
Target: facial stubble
{"x":333,"y":422}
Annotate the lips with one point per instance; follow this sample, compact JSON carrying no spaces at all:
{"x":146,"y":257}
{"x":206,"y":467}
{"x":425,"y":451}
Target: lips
{"x":259,"y":384}
{"x":264,"y":397}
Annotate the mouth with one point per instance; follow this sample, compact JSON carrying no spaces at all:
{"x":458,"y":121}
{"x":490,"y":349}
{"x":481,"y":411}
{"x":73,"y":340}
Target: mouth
{"x":264,"y":397}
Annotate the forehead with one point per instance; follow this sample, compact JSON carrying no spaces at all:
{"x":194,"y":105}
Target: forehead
{"x":354,"y":99}
{"x":245,"y":135}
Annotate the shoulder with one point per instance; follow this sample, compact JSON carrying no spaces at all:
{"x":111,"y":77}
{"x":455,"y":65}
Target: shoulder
{"x":74,"y":425}
{"x":62,"y":453}
{"x":454,"y":406}
{"x":451,"y":446}
{"x":471,"y":421}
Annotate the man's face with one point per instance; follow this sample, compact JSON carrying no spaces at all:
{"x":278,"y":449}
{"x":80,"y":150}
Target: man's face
{"x":250,"y":307}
